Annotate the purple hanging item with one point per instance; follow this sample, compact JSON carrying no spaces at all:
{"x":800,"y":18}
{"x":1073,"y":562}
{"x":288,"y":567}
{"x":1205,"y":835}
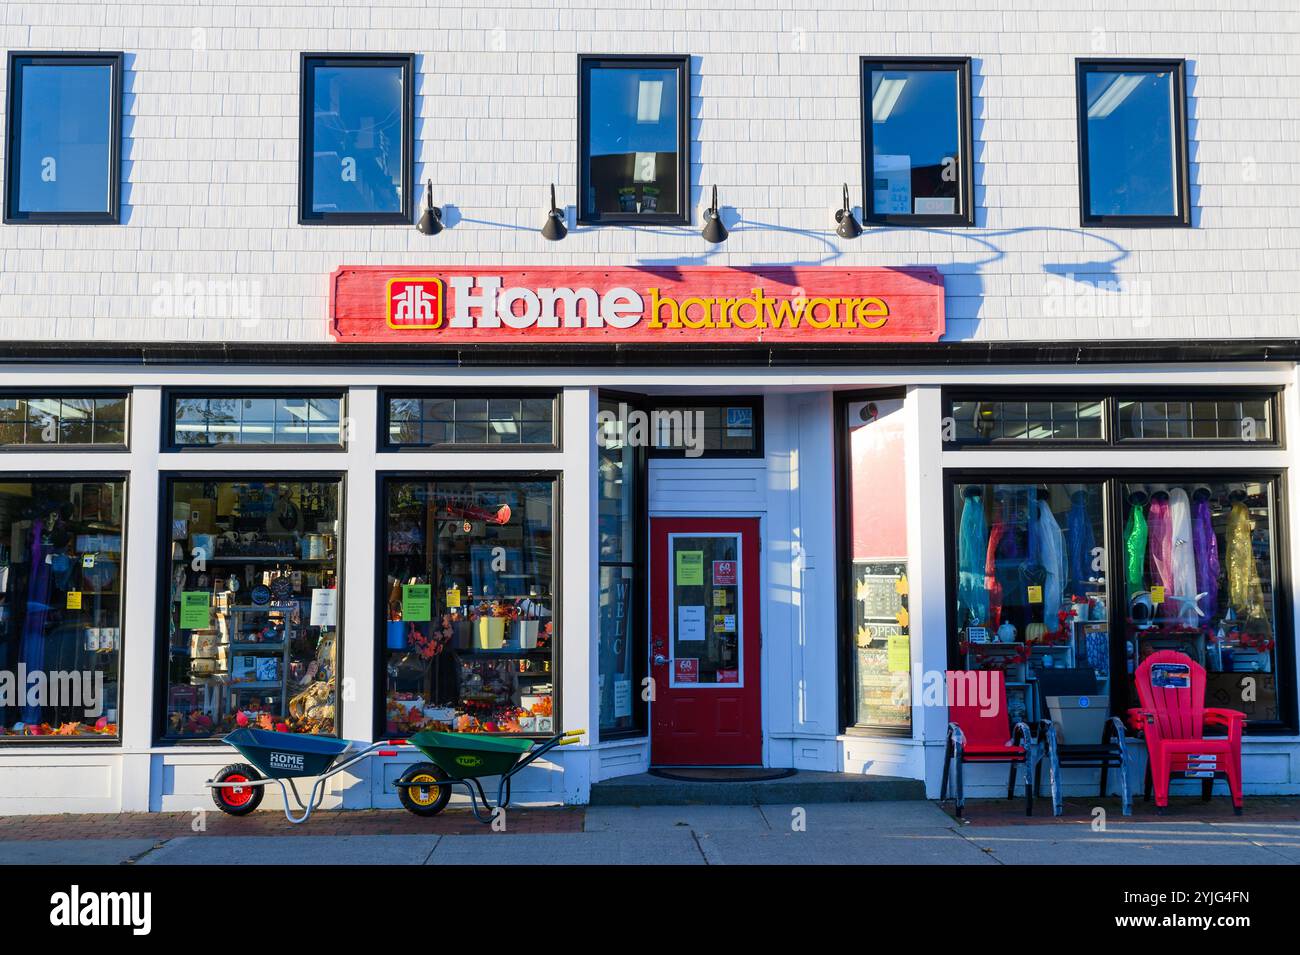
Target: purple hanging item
{"x":1160,"y":546}
{"x":1205,"y":550}
{"x":32,"y":649}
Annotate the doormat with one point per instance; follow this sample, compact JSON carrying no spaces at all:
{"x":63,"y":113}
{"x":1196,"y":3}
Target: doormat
{"x":722,"y":774}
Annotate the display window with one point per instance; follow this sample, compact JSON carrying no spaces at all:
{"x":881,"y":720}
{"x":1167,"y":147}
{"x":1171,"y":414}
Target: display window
{"x":252,"y":606}
{"x":469,"y":622}
{"x":1199,"y":569}
{"x":622,"y":651}
{"x":1031,"y":588}
{"x":1068,"y":586}
{"x":60,"y":607}
{"x":874,"y":504}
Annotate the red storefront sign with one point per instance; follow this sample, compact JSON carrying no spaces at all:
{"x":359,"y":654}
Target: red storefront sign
{"x":803,"y":304}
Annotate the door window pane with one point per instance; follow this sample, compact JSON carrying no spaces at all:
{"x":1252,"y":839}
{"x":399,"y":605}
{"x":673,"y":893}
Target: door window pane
{"x":880,"y":643}
{"x":1199,"y":579}
{"x":705,"y":610}
{"x":61,"y":606}
{"x":634,"y":147}
{"x":469,"y":607}
{"x":916,"y":116}
{"x":252,"y":609}
{"x":1133,"y":130}
{"x":358,"y":150}
{"x":64,"y":133}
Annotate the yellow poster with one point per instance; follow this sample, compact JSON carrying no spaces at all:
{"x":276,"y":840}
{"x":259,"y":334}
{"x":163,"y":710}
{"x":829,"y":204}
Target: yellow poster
{"x":690,"y":568}
{"x":899,"y":654}
{"x":74,"y":599}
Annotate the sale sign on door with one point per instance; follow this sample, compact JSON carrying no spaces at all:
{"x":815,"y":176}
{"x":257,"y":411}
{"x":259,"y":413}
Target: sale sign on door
{"x":724,"y":573}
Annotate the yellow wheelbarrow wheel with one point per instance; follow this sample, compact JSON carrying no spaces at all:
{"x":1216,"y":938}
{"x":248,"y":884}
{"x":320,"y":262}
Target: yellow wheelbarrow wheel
{"x":423,"y":790}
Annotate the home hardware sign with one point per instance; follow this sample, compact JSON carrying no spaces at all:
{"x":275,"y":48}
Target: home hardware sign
{"x":804,"y":305}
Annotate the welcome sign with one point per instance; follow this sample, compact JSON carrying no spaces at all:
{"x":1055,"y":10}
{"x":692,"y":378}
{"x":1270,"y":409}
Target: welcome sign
{"x":478,"y":305}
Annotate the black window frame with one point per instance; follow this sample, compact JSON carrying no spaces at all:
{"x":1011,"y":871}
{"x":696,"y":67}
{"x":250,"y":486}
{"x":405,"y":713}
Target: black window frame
{"x":1110,"y":397}
{"x":13,"y":117}
{"x":306,"y":85}
{"x":170,"y":396}
{"x":167,"y":480}
{"x":383,"y":478}
{"x":125,"y":394}
{"x":1182,"y":218}
{"x":653,"y":403}
{"x":1110,"y":479}
{"x":388,"y":446}
{"x":965,"y":215}
{"x":680,"y":62}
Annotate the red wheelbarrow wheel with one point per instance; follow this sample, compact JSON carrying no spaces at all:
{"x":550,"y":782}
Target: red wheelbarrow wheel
{"x":237,"y":800}
{"x":428,"y":798}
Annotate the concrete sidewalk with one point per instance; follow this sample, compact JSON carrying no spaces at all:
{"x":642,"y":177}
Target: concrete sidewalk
{"x":834,"y":833}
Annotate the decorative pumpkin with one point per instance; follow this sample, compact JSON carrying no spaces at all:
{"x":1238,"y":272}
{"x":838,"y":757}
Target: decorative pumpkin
{"x":1035,"y":632}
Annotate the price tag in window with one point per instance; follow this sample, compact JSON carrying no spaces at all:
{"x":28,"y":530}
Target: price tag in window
{"x":1157,"y":594}
{"x":1035,"y":594}
{"x":74,"y":599}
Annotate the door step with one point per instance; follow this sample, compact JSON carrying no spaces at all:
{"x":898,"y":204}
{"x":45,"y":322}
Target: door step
{"x":803,"y":787}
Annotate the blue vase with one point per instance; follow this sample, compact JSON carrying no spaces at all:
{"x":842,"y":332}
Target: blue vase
{"x":397,"y":635}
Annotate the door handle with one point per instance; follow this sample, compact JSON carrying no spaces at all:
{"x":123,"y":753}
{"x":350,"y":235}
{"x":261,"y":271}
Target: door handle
{"x":660,"y":660}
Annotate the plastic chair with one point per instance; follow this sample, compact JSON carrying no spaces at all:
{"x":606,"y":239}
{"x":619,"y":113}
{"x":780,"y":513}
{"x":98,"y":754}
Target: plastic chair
{"x":978,"y":734}
{"x":1173,"y":717}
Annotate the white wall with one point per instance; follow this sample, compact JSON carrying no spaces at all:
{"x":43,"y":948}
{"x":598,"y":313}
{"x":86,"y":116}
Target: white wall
{"x":210,"y":167}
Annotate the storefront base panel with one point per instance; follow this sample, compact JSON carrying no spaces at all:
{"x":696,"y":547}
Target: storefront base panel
{"x":882,"y":757}
{"x":620,"y":759}
{"x":43,"y":784}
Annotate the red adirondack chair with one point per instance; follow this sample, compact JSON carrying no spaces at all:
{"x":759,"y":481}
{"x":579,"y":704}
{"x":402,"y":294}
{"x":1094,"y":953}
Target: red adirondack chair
{"x":1173,"y":718}
{"x":978,"y":734}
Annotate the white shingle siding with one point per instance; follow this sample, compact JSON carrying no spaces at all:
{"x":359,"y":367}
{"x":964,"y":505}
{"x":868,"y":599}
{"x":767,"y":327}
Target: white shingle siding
{"x":210,"y":162}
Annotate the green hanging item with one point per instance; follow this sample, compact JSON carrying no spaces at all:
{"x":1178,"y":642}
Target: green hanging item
{"x":1135,"y":551}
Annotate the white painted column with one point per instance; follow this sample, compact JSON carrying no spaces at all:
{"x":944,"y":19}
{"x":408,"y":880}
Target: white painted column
{"x":579,"y":608}
{"x":927,"y":597}
{"x":357,"y":582}
{"x":140,"y":633}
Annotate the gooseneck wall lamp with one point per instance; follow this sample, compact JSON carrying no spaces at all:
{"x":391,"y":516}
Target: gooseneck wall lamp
{"x":554,"y":229}
{"x":431,"y":221}
{"x":848,"y":227}
{"x":714,"y":231}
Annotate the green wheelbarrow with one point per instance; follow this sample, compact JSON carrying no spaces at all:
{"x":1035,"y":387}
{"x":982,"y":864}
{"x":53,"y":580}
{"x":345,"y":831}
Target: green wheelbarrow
{"x":462,"y":759}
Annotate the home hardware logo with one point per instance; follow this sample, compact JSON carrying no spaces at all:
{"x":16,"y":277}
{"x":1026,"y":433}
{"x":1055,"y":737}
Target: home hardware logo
{"x":290,"y":761}
{"x":415,"y":302}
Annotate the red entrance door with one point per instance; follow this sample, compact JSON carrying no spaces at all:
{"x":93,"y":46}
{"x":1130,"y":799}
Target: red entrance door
{"x":704,"y":636}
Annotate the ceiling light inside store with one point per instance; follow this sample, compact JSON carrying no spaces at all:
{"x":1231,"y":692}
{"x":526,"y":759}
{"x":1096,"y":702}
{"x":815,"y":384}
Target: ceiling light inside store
{"x":886,"y":97}
{"x":1113,"y":95}
{"x":649,"y":100}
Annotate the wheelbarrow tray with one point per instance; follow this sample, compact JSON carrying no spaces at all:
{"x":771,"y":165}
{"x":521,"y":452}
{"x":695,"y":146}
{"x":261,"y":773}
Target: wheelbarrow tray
{"x":468,"y":755}
{"x":287,"y":755}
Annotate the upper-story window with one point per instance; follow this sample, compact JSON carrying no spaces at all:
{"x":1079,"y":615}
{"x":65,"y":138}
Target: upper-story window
{"x":62,"y":144}
{"x":632,"y":151}
{"x":357,"y":148}
{"x":1133,"y":143}
{"x":916,"y":141}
